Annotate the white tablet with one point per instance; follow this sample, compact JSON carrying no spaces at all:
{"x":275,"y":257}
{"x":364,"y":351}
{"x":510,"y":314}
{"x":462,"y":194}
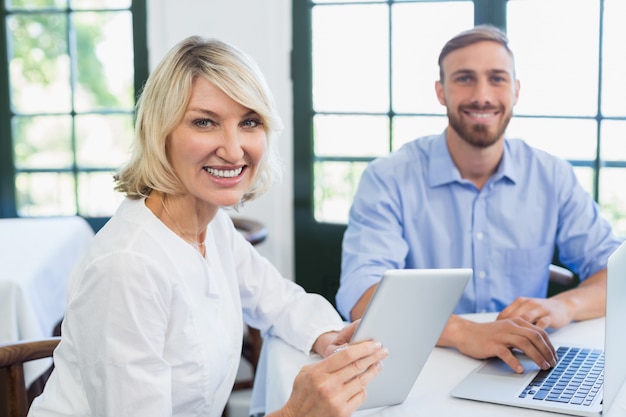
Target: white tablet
{"x":407,"y":314}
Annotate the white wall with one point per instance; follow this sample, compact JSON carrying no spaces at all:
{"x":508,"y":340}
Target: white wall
{"x":262,"y":28}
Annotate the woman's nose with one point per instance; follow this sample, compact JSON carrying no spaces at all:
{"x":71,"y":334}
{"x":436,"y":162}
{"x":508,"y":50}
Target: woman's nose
{"x":230,"y":149}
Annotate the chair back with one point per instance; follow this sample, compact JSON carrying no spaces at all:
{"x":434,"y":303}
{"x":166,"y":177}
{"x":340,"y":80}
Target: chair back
{"x":14,"y":394}
{"x":254,"y":231}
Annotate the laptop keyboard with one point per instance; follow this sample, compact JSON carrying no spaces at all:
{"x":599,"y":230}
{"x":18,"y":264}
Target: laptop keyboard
{"x":576,"y":379}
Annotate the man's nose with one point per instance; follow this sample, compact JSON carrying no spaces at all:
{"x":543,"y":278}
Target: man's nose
{"x":482,"y":93}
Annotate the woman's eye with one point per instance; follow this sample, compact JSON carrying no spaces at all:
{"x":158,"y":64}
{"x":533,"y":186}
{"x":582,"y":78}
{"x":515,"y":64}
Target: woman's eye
{"x":251,"y":123}
{"x":202,"y":122}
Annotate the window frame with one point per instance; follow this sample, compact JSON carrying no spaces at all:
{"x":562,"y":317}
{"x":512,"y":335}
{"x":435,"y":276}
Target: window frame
{"x":8,"y":199}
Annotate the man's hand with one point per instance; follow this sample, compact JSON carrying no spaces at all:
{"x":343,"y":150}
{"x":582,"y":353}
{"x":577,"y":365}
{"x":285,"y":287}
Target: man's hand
{"x":542,"y":312}
{"x":498,"y":339}
{"x":586,"y":301}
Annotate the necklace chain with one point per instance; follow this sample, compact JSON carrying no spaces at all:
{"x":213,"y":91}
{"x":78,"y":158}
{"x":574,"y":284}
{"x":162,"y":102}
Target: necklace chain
{"x":199,"y":245}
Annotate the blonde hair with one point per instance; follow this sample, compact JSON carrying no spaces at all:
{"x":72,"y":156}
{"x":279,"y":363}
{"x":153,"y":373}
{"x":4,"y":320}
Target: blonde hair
{"x":164,"y":100}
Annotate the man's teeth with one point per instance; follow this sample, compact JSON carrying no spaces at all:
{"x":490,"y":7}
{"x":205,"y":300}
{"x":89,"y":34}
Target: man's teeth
{"x":224,"y":173}
{"x":481,"y":115}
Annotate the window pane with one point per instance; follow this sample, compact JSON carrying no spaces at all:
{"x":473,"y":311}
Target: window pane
{"x":351,"y":135}
{"x":613,"y":198}
{"x":419,"y":32}
{"x":613,"y":140}
{"x":100,"y":4}
{"x":561,"y":76}
{"x":573,"y":139}
{"x":405,"y":129}
{"x":614,"y":59}
{"x":105,"y":60}
{"x":585,"y":178}
{"x":350,"y":58}
{"x":335,"y":186}
{"x":43,"y":142}
{"x":45,"y":194}
{"x":103,"y":140}
{"x":39,"y":67}
{"x":36,"y":4}
{"x":97,"y":198}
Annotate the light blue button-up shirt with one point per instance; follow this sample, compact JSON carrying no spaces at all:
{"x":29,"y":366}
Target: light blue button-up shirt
{"x":413,"y":210}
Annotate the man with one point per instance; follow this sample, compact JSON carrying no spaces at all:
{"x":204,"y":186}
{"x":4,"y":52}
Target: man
{"x":471,"y":198}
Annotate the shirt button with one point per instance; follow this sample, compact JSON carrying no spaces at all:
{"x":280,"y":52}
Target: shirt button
{"x":479,"y":235}
{"x":482,"y":275}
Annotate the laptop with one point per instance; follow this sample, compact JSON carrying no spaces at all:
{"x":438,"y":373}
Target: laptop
{"x":407,"y":314}
{"x":592,"y":395}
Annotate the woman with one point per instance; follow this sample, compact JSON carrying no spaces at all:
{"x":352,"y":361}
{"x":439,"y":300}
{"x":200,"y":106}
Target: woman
{"x":155,"y":309}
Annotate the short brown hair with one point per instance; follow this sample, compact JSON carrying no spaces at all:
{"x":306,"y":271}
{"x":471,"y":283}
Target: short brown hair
{"x":471,"y":36}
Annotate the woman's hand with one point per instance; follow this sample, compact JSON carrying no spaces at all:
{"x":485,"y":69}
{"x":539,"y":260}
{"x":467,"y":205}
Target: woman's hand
{"x":339,"y":339}
{"x":337,"y":385}
{"x":328,"y":342}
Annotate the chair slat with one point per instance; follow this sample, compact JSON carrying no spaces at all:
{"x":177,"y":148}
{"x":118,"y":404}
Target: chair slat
{"x":13,"y":391}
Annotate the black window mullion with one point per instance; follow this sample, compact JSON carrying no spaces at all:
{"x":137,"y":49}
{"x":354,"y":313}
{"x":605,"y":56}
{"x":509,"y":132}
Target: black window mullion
{"x":140,"y":43}
{"x":301,"y":74}
{"x":599,"y":117}
{"x":490,"y":12}
{"x":8,"y":171}
{"x":390,"y":113}
{"x":73,"y":55}
{"x":7,"y":175}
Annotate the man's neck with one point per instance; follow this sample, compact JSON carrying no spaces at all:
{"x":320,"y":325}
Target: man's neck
{"x":475,"y":164}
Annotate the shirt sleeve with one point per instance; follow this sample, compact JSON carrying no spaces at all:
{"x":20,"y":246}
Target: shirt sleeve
{"x":276,"y":305}
{"x":373,"y":241}
{"x":121,"y":316}
{"x":584,"y":237}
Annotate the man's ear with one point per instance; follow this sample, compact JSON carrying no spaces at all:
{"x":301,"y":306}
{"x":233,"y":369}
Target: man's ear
{"x":439,"y":91}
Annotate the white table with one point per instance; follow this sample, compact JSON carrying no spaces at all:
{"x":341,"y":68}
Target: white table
{"x":36,"y":258}
{"x":279,"y":364}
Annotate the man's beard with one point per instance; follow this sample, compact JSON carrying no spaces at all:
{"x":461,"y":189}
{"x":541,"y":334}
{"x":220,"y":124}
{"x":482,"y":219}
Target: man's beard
{"x":478,"y":134}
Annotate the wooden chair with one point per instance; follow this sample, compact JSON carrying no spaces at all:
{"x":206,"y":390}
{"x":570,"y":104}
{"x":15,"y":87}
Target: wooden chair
{"x":255,"y":232}
{"x":15,"y":397}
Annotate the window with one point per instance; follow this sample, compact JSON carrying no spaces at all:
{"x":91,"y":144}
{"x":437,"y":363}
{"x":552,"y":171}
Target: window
{"x":70,"y":79}
{"x":364,"y":75}
{"x":571,"y":102}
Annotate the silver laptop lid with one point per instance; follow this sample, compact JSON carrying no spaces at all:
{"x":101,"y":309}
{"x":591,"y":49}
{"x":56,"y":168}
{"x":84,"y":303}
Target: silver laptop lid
{"x":615,"y":336}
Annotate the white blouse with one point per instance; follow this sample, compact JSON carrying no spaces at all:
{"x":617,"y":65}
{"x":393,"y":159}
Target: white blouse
{"x":154,"y":329}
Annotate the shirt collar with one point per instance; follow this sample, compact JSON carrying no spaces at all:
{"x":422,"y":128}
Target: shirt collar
{"x":442,"y":170}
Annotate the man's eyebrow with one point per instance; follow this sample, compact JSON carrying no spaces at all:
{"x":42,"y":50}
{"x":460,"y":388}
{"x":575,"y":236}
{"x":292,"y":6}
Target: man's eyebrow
{"x":500,"y":72}
{"x":463,"y":72}
{"x":494,"y":71}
